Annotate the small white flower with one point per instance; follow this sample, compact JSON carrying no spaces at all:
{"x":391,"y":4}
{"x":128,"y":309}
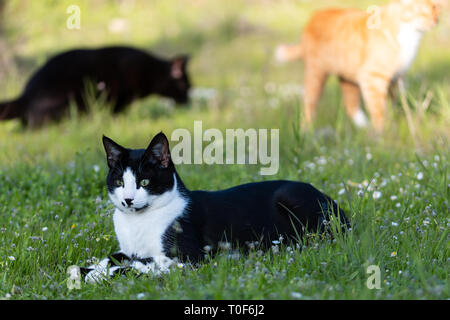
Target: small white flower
{"x":140,"y":295}
{"x":369,"y":156}
{"x":322,"y":161}
{"x":296,"y":295}
{"x":44,"y":229}
{"x":393,"y":198}
{"x":341,"y":192}
{"x":96,"y":168}
{"x":376,"y":195}
{"x":11,"y":258}
{"x":275,"y":249}
{"x":419,"y":176}
{"x":395,"y":224}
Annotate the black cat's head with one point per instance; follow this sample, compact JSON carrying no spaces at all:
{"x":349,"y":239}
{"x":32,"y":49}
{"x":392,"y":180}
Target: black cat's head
{"x":140,"y":178}
{"x":178,"y":84}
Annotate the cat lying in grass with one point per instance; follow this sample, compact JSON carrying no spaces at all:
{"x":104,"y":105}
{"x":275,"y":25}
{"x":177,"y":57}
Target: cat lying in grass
{"x":123,"y":74}
{"x":367,"y":51}
{"x":158,"y":220}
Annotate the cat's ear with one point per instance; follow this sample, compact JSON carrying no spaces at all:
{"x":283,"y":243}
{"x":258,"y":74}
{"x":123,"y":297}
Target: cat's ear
{"x":178,"y":66}
{"x":114,"y":151}
{"x":158,"y":150}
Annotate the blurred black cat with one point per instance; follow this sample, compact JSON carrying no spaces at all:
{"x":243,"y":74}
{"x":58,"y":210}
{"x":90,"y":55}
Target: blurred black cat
{"x":123,"y":73}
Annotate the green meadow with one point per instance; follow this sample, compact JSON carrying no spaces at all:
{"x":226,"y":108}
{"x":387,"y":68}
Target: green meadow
{"x":395,"y":187}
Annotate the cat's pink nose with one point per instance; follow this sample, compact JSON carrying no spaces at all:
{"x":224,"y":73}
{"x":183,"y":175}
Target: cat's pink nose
{"x":129,"y":202}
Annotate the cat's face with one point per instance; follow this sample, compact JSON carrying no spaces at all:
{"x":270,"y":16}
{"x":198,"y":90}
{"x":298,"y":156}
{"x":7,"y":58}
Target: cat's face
{"x":423,"y":14}
{"x":137,"y":179}
{"x":178,"y":83}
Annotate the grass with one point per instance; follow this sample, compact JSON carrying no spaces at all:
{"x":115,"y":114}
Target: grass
{"x":53,"y":201}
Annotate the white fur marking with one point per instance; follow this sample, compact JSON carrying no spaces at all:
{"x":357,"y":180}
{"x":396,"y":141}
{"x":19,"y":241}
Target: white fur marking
{"x":140,"y":233}
{"x":409,"y":40}
{"x":100,"y":271}
{"x":360,"y":119}
{"x":129,"y":190}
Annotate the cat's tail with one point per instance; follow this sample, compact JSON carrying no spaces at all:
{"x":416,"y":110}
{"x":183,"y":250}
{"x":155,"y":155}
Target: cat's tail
{"x":286,"y":52}
{"x":11,"y":109}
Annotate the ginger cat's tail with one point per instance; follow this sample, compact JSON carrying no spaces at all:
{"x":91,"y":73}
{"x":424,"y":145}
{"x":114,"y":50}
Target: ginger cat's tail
{"x":287,"y":52}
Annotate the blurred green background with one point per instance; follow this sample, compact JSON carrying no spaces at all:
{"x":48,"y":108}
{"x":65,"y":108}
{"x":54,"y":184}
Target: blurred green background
{"x":231,"y":44}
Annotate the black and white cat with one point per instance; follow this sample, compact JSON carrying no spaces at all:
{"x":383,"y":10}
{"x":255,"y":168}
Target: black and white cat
{"x":158,"y":220}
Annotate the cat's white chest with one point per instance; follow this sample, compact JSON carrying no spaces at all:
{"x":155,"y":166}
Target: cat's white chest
{"x":409,"y":40}
{"x":141,"y":234}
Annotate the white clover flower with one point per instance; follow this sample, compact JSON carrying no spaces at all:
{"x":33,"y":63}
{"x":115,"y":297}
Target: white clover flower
{"x":376,"y":195}
{"x":140,"y":295}
{"x":275,"y":249}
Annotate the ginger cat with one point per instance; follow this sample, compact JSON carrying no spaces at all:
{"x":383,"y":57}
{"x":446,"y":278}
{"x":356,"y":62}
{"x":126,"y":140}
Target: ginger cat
{"x":368,"y":51}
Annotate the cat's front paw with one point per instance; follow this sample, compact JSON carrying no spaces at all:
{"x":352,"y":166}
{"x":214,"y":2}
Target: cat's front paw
{"x":163,"y":264}
{"x":158,"y":265}
{"x":99,"y":272}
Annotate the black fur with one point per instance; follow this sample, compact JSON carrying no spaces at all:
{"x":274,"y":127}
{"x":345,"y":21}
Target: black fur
{"x":123,"y":73}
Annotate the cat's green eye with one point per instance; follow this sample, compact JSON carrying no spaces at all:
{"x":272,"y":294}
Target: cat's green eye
{"x":118,"y":183}
{"x":144,"y":182}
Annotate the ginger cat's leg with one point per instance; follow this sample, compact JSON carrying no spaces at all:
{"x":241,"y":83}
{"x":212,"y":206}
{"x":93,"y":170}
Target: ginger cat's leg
{"x":374,"y":88}
{"x":314,"y":82}
{"x":351,"y":96}
{"x":393,"y":91}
